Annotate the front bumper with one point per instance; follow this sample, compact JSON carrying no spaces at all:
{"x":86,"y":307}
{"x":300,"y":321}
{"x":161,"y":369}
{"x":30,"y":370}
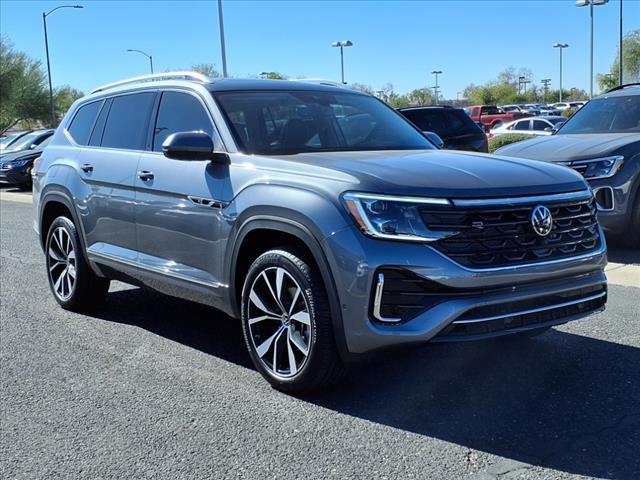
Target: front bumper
{"x":356,"y":261}
{"x":16,"y":176}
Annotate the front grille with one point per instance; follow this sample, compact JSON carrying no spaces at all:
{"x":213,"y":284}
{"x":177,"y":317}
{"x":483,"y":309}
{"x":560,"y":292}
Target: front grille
{"x":527,"y":314}
{"x":502,"y":236}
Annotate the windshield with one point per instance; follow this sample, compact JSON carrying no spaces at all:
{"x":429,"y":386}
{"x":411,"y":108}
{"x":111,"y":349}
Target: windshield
{"x":6,"y":141}
{"x":300,"y":121}
{"x":606,"y":115}
{"x":24,"y":143}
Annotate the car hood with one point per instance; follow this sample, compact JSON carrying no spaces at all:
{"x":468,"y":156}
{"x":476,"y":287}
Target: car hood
{"x":11,"y":156}
{"x":561,"y":148}
{"x":443,"y":173}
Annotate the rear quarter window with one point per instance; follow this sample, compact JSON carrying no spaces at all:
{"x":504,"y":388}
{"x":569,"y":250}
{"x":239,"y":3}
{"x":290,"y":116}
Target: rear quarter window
{"x":82,"y":123}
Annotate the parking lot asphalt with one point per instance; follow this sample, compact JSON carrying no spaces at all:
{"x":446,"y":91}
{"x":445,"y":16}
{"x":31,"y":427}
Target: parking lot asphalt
{"x":156,"y":387}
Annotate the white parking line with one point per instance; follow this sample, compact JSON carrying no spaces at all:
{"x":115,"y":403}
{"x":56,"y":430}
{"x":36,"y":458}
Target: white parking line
{"x":15,"y":197}
{"x":625,"y":275}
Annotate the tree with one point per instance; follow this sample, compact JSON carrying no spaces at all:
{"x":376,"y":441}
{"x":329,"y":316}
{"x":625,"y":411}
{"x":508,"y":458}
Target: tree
{"x":23,"y":90}
{"x":274,"y":76}
{"x":631,"y":57}
{"x":208,"y":69}
{"x":63,"y":98}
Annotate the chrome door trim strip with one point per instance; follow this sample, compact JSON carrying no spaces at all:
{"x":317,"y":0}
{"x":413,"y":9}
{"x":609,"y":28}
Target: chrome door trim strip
{"x":582,"y":195}
{"x":532,"y":310}
{"x":160,"y":270}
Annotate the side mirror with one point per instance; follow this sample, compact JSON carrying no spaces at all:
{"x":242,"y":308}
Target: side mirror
{"x":32,"y":146}
{"x":435,"y":139}
{"x":556,"y":127}
{"x":548,"y":129}
{"x":192,"y":146}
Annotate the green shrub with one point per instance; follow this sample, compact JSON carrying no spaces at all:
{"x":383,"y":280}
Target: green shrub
{"x":502,"y":140}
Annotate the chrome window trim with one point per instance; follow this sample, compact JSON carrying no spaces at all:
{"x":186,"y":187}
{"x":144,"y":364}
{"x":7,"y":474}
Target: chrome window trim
{"x":581,"y":195}
{"x":532,"y":310}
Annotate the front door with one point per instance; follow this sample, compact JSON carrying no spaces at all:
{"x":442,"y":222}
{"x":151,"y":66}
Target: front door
{"x":178,"y":203}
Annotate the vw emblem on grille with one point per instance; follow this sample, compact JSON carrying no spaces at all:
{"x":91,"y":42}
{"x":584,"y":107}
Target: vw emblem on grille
{"x":541,"y":220}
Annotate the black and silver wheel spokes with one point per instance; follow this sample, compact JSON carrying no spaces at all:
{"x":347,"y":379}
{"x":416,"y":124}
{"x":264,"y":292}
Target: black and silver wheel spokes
{"x":279,"y":322}
{"x":61,"y":260}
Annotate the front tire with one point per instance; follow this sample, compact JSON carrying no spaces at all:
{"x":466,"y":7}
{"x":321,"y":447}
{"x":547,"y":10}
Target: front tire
{"x":73,"y":284}
{"x":287,"y":324}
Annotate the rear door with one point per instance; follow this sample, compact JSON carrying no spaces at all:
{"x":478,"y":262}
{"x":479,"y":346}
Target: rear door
{"x":179,"y":202}
{"x":107,"y":163}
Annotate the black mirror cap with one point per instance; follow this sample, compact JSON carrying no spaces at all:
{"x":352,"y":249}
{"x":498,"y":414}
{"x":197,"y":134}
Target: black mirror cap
{"x":434,"y":138}
{"x":192,"y":146}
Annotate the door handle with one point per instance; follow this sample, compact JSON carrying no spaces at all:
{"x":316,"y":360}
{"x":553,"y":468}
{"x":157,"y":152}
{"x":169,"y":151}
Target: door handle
{"x":145,"y":175}
{"x":87,"y":167}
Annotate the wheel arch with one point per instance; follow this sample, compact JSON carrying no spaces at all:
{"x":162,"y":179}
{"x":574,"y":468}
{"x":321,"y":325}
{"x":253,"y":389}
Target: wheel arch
{"x":281,"y":228}
{"x":53,"y":201}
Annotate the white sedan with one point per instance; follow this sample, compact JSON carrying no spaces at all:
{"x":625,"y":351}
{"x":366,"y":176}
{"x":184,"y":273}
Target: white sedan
{"x":529,"y":126}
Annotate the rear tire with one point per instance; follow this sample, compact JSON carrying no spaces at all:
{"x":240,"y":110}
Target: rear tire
{"x":287,"y":323}
{"x":73,"y":284}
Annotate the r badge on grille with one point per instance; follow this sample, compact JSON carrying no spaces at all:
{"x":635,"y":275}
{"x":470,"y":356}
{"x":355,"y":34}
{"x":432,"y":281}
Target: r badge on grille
{"x":541,"y":220}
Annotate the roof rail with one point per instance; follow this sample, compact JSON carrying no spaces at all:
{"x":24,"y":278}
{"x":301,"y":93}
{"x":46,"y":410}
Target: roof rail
{"x":620,"y":87}
{"x":180,"y":75}
{"x":320,"y":81}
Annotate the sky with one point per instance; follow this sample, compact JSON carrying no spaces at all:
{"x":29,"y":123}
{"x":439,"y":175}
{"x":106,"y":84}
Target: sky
{"x":399,"y":42}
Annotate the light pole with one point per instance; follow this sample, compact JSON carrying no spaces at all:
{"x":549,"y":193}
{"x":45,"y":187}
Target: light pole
{"x":591,"y":4}
{"x":222,"y":46}
{"x":620,"y":33}
{"x":342,"y":44}
{"x":436,"y":88}
{"x":520,"y":82}
{"x":545,"y":82}
{"x":145,"y":54}
{"x":46,"y":47}
{"x":458,"y":97}
{"x":561,"y":46}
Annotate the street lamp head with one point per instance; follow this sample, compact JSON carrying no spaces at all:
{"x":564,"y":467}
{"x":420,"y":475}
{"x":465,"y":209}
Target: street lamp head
{"x":586,"y":3}
{"x":561,"y":45}
{"x":436,"y":72}
{"x":78,"y":6}
{"x":342,"y":43}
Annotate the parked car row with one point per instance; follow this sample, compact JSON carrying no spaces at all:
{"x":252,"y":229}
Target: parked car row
{"x":18,"y":153}
{"x":325,"y":221}
{"x":542,"y":125}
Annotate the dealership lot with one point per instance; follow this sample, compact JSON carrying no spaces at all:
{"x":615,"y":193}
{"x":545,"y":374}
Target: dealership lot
{"x":156,"y":387}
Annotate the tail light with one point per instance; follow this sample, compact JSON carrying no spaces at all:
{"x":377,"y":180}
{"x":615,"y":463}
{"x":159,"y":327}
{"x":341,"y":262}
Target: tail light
{"x":36,"y":166}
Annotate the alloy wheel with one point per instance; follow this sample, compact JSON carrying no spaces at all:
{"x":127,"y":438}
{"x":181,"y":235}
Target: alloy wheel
{"x":61,"y":261}
{"x":279,"y":322}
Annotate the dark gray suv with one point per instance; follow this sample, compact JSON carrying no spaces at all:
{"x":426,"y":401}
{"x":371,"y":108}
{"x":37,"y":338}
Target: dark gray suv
{"x":317,"y":215}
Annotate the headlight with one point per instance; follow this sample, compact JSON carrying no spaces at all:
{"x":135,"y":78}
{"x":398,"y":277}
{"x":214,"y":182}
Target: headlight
{"x":393,"y":217}
{"x":18,"y":163}
{"x":598,"y":167}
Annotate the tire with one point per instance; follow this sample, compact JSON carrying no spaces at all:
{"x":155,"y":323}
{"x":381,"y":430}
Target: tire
{"x":65,"y":258}
{"x":291,"y":344}
{"x":632,"y":236}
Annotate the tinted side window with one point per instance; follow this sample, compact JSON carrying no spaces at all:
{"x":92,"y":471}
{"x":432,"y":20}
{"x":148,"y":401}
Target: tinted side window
{"x":523,"y":125}
{"x":540,"y":125}
{"x":179,"y":112}
{"x":81,"y":125}
{"x":96,"y":135}
{"x":127,"y":122}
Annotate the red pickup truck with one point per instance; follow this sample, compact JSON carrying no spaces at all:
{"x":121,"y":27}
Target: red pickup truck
{"x":491,"y":116}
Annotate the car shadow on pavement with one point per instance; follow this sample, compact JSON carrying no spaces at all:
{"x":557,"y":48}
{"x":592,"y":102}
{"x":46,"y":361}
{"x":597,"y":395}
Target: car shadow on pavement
{"x":561,"y":401}
{"x":618,"y":253}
